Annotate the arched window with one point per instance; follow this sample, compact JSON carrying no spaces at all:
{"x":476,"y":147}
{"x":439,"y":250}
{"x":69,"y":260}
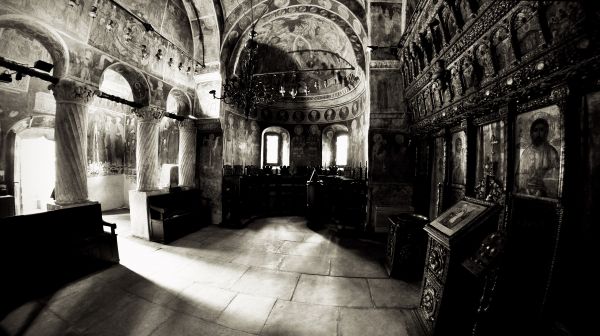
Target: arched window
{"x":275,"y":147}
{"x":272,"y":154}
{"x":336,"y":146}
{"x":341,"y":149}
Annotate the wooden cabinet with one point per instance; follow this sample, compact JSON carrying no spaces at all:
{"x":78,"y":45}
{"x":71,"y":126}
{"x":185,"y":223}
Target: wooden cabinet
{"x":450,"y":293}
{"x":7,"y":206}
{"x":406,"y":244}
{"x":175,"y":214}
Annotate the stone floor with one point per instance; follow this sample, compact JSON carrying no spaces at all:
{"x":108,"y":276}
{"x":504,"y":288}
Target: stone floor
{"x":275,"y":277}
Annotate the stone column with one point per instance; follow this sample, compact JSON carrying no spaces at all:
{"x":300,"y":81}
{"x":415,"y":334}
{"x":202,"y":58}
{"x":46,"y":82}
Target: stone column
{"x":187,"y":153}
{"x":146,"y":153}
{"x":72,"y":101}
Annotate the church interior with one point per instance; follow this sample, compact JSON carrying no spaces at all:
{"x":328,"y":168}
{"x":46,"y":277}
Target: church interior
{"x":298,"y":167}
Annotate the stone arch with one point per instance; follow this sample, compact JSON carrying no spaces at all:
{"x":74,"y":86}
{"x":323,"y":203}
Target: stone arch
{"x":44,"y":34}
{"x":179,"y":102}
{"x":39,"y":121}
{"x":138,"y":83}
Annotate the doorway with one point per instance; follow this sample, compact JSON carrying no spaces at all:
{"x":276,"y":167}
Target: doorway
{"x":35,"y":170}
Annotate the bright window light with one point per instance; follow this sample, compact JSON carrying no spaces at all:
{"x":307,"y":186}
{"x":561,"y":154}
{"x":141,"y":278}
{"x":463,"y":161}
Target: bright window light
{"x":272,"y":149}
{"x":341,"y":150}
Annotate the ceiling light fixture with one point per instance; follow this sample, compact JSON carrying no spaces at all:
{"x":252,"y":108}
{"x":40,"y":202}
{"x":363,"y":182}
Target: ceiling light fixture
{"x":6,"y":77}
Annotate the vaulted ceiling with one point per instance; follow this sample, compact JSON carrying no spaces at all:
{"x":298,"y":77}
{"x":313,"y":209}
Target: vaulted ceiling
{"x":301,"y":35}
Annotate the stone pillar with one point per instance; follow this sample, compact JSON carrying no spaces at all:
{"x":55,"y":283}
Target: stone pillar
{"x":72,"y":101}
{"x":147,"y":147}
{"x":187,"y":153}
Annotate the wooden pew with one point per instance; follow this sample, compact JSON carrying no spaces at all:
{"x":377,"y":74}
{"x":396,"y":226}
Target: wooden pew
{"x":176,"y":214}
{"x":41,"y":252}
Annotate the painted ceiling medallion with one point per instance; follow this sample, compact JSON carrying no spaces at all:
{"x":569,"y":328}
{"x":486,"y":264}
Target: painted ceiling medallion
{"x":325,"y":4}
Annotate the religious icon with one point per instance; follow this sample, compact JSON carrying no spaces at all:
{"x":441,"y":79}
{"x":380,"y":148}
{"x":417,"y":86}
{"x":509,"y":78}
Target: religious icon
{"x":458,"y":216}
{"x":539,"y":160}
{"x":314,"y":115}
{"x":298,"y":116}
{"x":344,"y":111}
{"x":459,"y":157}
{"x":329,"y":114}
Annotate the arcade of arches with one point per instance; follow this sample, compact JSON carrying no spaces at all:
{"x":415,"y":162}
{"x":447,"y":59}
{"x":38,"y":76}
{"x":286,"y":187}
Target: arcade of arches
{"x":479,"y":115}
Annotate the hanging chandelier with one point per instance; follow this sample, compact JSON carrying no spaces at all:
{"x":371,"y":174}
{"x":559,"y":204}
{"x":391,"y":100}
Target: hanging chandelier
{"x":245,"y":90}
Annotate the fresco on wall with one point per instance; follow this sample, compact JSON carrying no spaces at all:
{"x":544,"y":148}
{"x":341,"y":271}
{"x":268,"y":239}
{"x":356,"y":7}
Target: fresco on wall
{"x":538,"y":141}
{"x":130,"y":144}
{"x":168,"y":142}
{"x":491,"y":152}
{"x":327,"y":147}
{"x":458,"y":158}
{"x":389,"y":157}
{"x":159,"y":92}
{"x":241,"y":140}
{"x":59,"y":14}
{"x":211,"y":47}
{"x":286,"y":46}
{"x":386,"y":92}
{"x":106,"y":142}
{"x":86,"y":64}
{"x":22,"y":49}
{"x":209,"y":168}
{"x":386,"y":23}
{"x":356,"y":152}
{"x":153,"y":11}
{"x":297,"y":157}
{"x":312,"y":147}
{"x":176,"y":26}
{"x":115,"y":32}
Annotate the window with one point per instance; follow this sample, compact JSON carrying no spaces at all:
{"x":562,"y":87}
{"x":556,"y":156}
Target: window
{"x":341,"y":149}
{"x":272,"y":152}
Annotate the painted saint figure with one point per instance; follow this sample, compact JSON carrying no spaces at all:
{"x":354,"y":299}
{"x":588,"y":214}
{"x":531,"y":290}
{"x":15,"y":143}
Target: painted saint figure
{"x":539,"y":163}
{"x":458,"y":171}
{"x":456,"y":216}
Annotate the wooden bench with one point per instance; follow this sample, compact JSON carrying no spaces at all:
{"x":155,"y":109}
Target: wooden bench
{"x":176,"y":214}
{"x":42,"y":252}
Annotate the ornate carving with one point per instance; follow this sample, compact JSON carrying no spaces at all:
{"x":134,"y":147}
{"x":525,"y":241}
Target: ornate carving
{"x":429,"y":301}
{"x":385,"y":64}
{"x":489,"y":190}
{"x":437,"y":259}
{"x":150,"y":113}
{"x":70,"y":91}
{"x":489,"y":16}
{"x":186,"y":124}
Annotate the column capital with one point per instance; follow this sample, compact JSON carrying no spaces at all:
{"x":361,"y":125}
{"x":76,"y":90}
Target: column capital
{"x":187,"y":124}
{"x":70,"y":91}
{"x":151,"y":113}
